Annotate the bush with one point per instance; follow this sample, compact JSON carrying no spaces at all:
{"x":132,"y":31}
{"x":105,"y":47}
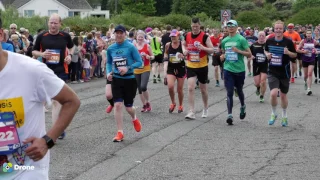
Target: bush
{"x":86,"y":24}
{"x":128,"y":19}
{"x":252,"y":18}
{"x":211,"y":23}
{"x":180,"y":20}
{"x":151,"y":22}
{"x":306,"y":16}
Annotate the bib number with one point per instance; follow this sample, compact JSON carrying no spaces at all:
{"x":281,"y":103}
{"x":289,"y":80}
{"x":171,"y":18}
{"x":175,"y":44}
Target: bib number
{"x":276,"y":60}
{"x":215,"y":50}
{"x":261,"y":58}
{"x":55,"y":56}
{"x":194,"y":56}
{"x":231,"y":55}
{"x":173,"y":58}
{"x":120,"y":62}
{"x":9,"y":139}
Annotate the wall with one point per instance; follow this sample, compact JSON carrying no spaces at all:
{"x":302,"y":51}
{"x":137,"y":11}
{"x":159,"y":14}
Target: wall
{"x":41,"y":8}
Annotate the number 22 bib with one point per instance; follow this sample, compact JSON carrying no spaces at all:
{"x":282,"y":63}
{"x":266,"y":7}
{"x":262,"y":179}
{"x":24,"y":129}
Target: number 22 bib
{"x":9,"y":139}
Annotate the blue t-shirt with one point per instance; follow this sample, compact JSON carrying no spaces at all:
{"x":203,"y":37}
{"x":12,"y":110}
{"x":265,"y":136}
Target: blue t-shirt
{"x":7,"y":46}
{"x":121,"y":55}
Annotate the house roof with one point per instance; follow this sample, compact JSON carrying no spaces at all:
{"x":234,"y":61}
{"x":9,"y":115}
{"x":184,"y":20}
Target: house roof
{"x":72,"y":4}
{"x":7,"y":2}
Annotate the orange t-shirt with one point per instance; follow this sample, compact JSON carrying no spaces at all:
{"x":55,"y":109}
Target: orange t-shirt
{"x":294,"y":36}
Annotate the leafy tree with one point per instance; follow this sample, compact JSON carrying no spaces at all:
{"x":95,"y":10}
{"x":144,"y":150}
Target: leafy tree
{"x":282,"y":5}
{"x":299,"y":5}
{"x":237,"y":6}
{"x":252,"y":18}
{"x":163,"y":7}
{"x":144,"y":7}
{"x":306,"y":16}
{"x":104,"y":4}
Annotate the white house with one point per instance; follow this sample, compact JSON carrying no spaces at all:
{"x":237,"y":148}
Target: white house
{"x":65,"y":8}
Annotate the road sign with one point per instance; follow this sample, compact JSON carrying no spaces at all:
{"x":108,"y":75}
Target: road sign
{"x":225,"y":16}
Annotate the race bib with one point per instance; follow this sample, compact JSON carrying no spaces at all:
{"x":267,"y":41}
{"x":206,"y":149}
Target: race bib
{"x":231,"y":55}
{"x":215,"y":50}
{"x":260,"y":58}
{"x":9,"y":139}
{"x":276,"y":60}
{"x":194,"y":56}
{"x":309,"y":54}
{"x":120,"y":62}
{"x":55,"y":56}
{"x":143,"y":59}
{"x":173,"y":58}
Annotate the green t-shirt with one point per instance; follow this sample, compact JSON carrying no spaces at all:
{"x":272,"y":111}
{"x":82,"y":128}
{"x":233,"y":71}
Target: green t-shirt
{"x":234,"y":62}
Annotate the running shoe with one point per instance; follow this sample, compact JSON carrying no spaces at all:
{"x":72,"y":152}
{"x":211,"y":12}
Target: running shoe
{"x":243,"y":112}
{"x":300,"y":73}
{"x":284,"y":121}
{"x":217,"y":84}
{"x":261,"y":100}
{"x":154,"y":79}
{"x":62,"y":136}
{"x":119,"y":137}
{"x":190,"y":115}
{"x":172,"y":107}
{"x":144,"y":108}
{"x":272,"y":119}
{"x":180,"y":110}
{"x":109,"y":109}
{"x":148,"y":107}
{"x":137,"y":125}
{"x":258,"y":92}
{"x":204,"y":113}
{"x":309,"y":92}
{"x":292,"y":80}
{"x":316,"y":81}
{"x":230,"y":119}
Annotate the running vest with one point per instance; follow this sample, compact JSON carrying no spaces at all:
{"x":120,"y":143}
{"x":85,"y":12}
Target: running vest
{"x":155,"y":46}
{"x":196,"y":58}
{"x":258,"y":52}
{"x":310,"y":56}
{"x":173,"y":60}
{"x":146,"y":62}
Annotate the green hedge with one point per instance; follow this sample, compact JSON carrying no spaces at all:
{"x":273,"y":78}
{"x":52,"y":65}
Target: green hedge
{"x":306,"y":16}
{"x":252,"y":18}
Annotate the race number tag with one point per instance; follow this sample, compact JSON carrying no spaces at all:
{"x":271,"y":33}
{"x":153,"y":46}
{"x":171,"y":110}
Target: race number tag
{"x":120,"y":62}
{"x":194,"y":56}
{"x":231,"y":55}
{"x":173,"y":58}
{"x":261,"y":58}
{"x":9,"y":139}
{"x":55,"y":56}
{"x":215,"y":49}
{"x":276,"y":60}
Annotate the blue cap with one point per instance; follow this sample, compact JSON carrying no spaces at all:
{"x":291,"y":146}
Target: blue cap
{"x":234,"y":22}
{"x":120,"y":28}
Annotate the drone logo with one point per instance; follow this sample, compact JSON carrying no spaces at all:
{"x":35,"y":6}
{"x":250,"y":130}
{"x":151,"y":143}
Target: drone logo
{"x":7,"y":167}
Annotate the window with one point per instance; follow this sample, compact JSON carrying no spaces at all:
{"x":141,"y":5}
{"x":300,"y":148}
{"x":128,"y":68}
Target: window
{"x":52,"y":11}
{"x":28,"y":13}
{"x":72,"y":13}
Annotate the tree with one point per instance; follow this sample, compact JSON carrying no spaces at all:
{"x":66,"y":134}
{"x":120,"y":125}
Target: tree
{"x":252,"y":18}
{"x":306,"y":16}
{"x":299,"y":5}
{"x":144,"y":7}
{"x":104,"y":4}
{"x":163,"y":7}
{"x":282,"y":5}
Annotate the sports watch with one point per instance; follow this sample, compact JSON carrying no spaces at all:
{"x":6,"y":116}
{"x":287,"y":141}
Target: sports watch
{"x":49,"y":141}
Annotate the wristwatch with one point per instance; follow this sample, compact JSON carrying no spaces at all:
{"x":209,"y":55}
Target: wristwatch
{"x":49,"y":141}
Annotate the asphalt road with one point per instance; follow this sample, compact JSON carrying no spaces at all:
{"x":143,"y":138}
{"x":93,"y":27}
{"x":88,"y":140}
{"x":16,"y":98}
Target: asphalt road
{"x":170,"y":147}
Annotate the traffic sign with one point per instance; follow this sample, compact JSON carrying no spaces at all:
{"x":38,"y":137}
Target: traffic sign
{"x":225,"y":16}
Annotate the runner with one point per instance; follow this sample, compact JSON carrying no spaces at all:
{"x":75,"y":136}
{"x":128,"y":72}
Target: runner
{"x":308,"y":51}
{"x":260,"y":65}
{"x":295,"y":37}
{"x":52,"y":47}
{"x":317,"y":62}
{"x":280,"y":51}
{"x":25,"y":85}
{"x":234,"y":48}
{"x":174,"y":69}
{"x":157,"y":62}
{"x":197,"y":45}
{"x":215,"y":40}
{"x":251,"y":40}
{"x":142,"y":73}
{"x":122,"y":59}
{"x":108,"y":85}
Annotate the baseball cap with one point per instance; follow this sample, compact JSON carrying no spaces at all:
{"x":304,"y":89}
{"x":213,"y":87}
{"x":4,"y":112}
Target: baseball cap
{"x":174,"y":33}
{"x":232,"y":22}
{"x":120,"y":28}
{"x":290,"y":26}
{"x":148,"y":29}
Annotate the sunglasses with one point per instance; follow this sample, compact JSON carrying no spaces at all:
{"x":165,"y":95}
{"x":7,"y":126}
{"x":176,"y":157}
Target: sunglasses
{"x":231,"y":25}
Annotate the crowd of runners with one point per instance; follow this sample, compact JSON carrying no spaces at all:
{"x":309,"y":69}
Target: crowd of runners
{"x":127,"y":59}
